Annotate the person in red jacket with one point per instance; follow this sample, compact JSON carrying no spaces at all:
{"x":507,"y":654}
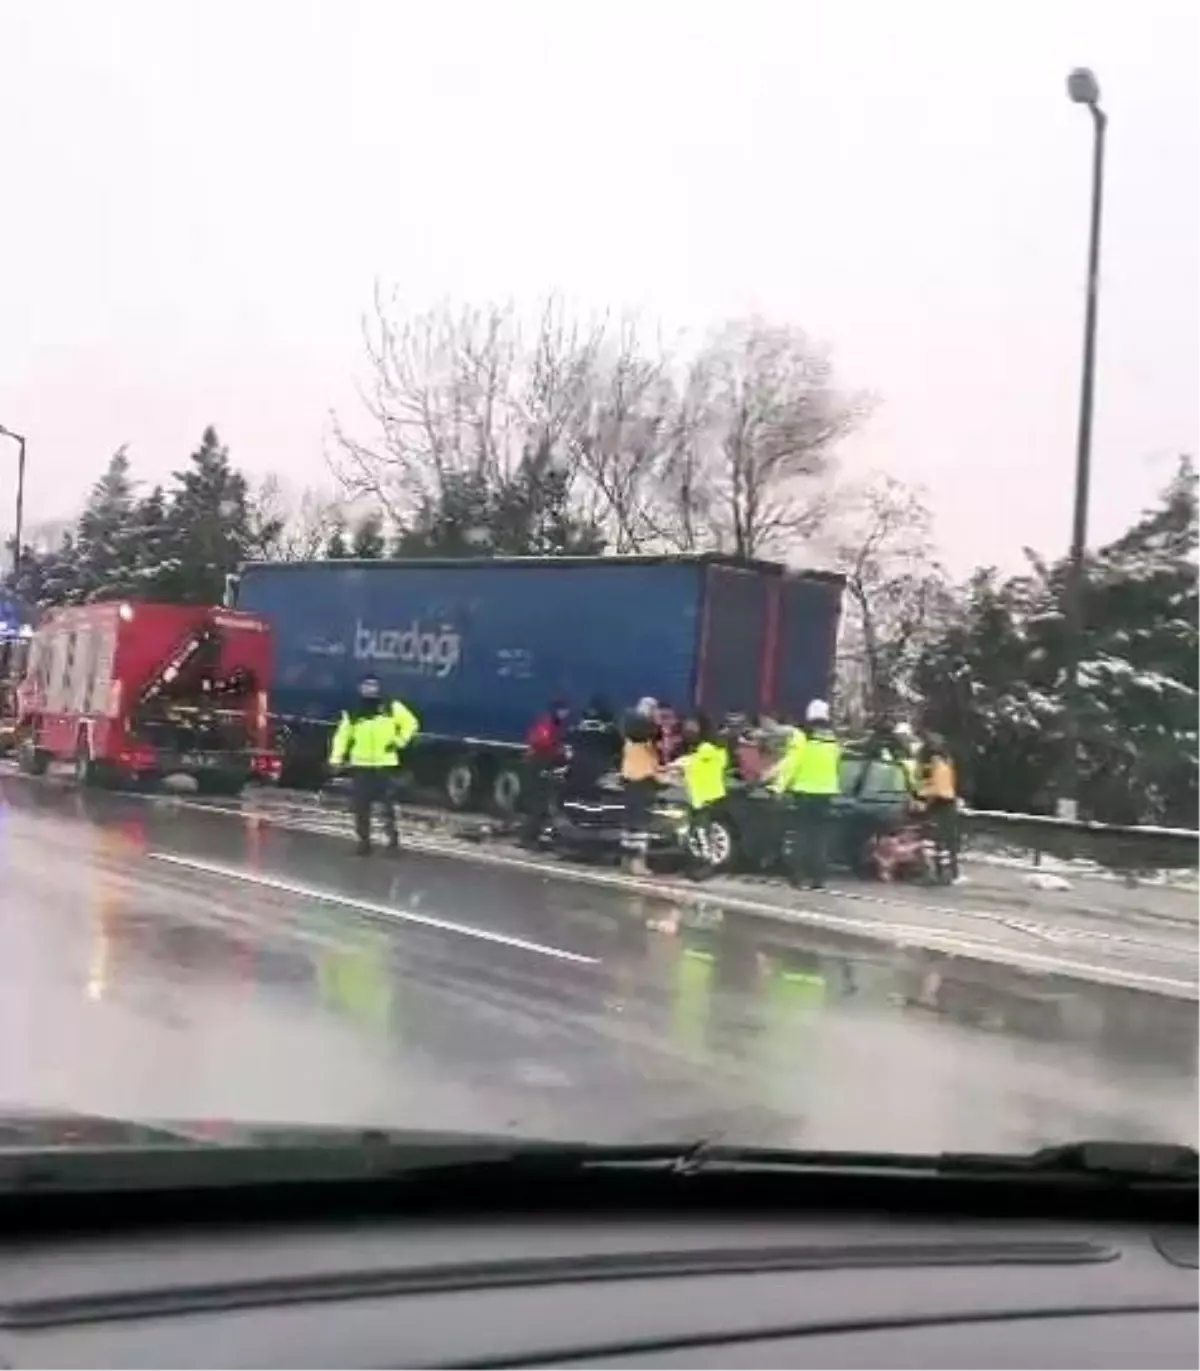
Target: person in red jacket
{"x":543,"y":753}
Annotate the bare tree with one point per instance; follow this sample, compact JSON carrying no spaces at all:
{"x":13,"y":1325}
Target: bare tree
{"x":896,"y":591}
{"x":629,"y":443}
{"x":647,"y":451}
{"x":466,"y":396}
{"x":295,"y":527}
{"x":755,"y":441}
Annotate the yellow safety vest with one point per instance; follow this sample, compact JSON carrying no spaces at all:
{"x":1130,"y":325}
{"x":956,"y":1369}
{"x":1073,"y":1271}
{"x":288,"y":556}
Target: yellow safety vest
{"x":374,"y":740}
{"x":639,"y":761}
{"x":704,"y":774}
{"x":938,"y":782}
{"x":810,"y":766}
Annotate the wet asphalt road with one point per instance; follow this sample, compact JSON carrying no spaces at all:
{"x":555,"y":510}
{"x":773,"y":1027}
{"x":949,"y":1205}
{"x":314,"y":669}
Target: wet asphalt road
{"x":164,"y":961}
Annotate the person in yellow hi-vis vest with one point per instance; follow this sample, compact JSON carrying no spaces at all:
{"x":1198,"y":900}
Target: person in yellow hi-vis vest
{"x":704,"y":777}
{"x":907,"y":750}
{"x":640,"y":777}
{"x":368,"y":742}
{"x":939,"y":791}
{"x":809,"y":777}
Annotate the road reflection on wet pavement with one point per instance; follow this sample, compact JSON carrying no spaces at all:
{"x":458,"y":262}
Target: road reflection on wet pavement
{"x":161,"y":962}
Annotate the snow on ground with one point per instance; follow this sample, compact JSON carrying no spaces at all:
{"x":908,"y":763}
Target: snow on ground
{"x":1081,"y":868}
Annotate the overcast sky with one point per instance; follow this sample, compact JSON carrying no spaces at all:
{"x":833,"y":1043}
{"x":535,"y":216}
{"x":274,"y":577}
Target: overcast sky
{"x":197,"y":197}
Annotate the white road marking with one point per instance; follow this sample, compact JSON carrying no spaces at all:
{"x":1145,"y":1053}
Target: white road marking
{"x":888,"y":931}
{"x":370,"y":907}
{"x":900,"y":935}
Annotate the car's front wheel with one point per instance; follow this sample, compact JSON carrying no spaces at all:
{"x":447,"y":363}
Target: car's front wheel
{"x":716,"y":848}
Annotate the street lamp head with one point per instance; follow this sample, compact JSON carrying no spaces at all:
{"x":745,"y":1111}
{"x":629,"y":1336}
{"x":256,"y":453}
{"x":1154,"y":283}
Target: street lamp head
{"x":1083,"y":87}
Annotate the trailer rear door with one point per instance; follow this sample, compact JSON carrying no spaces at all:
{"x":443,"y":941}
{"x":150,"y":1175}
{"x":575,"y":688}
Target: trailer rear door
{"x":810,"y":610}
{"x":732,"y":661}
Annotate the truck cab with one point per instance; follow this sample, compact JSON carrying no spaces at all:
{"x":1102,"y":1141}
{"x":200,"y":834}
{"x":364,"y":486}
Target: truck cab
{"x":137,"y":691}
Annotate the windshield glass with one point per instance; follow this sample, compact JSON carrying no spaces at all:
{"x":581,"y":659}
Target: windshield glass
{"x":626,"y":584}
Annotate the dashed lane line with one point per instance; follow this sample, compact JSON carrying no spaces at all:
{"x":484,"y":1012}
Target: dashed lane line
{"x":369,"y":907}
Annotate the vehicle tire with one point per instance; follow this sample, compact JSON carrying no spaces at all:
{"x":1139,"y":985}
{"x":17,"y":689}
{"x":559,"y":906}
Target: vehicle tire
{"x":460,"y":784}
{"x":723,"y":845}
{"x":507,"y":788}
{"x":31,"y":759}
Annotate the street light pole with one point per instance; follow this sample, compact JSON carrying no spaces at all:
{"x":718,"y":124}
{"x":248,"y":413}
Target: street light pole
{"x":1084,"y":89}
{"x":18,"y":532}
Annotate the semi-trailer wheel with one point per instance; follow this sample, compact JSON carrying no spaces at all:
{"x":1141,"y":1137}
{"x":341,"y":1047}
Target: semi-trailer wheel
{"x":507,"y":787}
{"x":461,"y":783}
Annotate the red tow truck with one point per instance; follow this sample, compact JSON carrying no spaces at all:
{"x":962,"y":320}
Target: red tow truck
{"x":136,"y":692}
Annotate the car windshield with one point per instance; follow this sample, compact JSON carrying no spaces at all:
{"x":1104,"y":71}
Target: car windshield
{"x":624,"y":582}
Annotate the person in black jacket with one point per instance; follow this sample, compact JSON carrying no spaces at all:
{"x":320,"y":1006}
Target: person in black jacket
{"x":593,"y":749}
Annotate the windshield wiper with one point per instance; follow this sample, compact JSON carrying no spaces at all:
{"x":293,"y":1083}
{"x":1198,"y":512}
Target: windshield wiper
{"x":278,"y":1156}
{"x":682,"y":1158}
{"x":1107,"y":1162}
{"x":1133,"y":1161}
{"x":370,"y":1156}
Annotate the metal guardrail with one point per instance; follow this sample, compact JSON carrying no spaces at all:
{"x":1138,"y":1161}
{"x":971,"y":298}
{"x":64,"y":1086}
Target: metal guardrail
{"x":1126,"y":850}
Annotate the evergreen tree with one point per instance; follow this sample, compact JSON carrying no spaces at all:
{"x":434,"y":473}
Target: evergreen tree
{"x":337,"y":549}
{"x":158,"y":558}
{"x":991,"y":687}
{"x":528,"y":515}
{"x":368,"y":542}
{"x":458,"y":524}
{"x":46,"y":577}
{"x":994,"y":683}
{"x":1139,"y":669}
{"x":106,"y":549}
{"x":533,"y":515}
{"x":209,"y":528}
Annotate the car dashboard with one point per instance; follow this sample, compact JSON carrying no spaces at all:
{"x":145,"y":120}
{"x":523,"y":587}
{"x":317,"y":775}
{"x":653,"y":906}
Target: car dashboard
{"x":583,"y":1290}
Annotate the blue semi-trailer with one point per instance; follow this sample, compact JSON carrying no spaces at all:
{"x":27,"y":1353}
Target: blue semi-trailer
{"x":479,"y":647}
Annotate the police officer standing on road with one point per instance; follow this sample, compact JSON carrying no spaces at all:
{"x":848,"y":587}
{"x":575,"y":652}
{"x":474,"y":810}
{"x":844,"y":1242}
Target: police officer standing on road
{"x":368,"y":742}
{"x":808,"y":777}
